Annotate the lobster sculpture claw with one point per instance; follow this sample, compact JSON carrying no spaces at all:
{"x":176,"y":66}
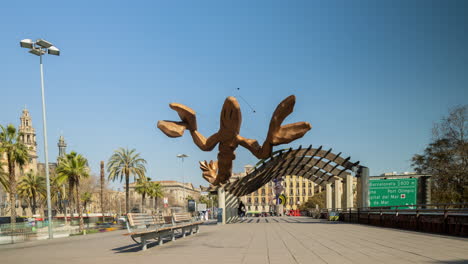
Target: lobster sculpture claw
{"x":228,"y":138}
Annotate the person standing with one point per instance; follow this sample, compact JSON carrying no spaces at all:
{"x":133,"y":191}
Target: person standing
{"x":241,"y":210}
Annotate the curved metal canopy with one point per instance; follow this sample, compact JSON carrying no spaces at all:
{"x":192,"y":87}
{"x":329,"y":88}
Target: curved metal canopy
{"x":315,"y":164}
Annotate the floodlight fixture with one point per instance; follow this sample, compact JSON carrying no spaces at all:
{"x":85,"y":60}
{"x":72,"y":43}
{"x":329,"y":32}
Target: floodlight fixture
{"x":26,"y":43}
{"x":37,"y":51}
{"x":182,"y":155}
{"x":44,"y":43}
{"x":53,"y":51}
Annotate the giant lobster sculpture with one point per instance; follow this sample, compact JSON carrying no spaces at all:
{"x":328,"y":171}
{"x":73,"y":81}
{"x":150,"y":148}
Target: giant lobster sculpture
{"x":228,"y":138}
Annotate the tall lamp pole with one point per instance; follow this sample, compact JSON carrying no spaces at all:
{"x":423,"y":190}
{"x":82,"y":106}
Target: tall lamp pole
{"x":183,"y":156}
{"x":39,"y":48}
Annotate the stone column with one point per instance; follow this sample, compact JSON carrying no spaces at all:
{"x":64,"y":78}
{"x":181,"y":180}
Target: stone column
{"x":337,"y":193}
{"x":312,"y":189}
{"x":349,"y":191}
{"x":222,"y":203}
{"x":363,"y":184}
{"x":328,"y":196}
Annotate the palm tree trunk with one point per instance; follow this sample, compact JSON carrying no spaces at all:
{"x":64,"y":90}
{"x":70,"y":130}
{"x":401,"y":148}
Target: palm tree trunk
{"x":12,"y":179}
{"x":78,"y":205}
{"x":65,"y":209}
{"x":127,"y":183}
{"x":102,"y":190}
{"x":34,"y":204}
{"x":143,"y":202}
{"x":70,"y":198}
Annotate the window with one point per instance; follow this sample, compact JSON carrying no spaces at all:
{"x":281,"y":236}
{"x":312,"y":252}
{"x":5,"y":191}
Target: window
{"x":256,"y":200}
{"x":291,"y":192}
{"x":297,"y":184}
{"x":310,"y":191}
{"x":310,"y":184}
{"x":263,"y":200}
{"x":298,"y":191}
{"x":303,"y":184}
{"x":263,"y":191}
{"x":249,"y":200}
{"x":298,"y":199}
{"x":291,"y":201}
{"x":304,"y":192}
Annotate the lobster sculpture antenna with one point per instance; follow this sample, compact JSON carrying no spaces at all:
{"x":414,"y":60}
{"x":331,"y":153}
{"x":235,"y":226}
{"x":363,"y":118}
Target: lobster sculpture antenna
{"x":228,"y":138}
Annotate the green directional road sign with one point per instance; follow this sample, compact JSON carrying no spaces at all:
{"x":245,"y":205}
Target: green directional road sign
{"x":392,"y":192}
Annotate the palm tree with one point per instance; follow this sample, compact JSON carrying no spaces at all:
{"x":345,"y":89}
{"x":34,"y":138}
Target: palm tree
{"x":58,"y":193}
{"x":32,"y":187}
{"x":123,"y":164}
{"x":72,"y":168}
{"x":16,"y":154}
{"x":156,"y":192}
{"x":143,"y":186}
{"x":61,"y":179}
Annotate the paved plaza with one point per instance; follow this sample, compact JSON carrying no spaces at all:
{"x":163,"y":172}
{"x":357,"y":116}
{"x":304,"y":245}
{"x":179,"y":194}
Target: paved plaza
{"x":256,"y":240}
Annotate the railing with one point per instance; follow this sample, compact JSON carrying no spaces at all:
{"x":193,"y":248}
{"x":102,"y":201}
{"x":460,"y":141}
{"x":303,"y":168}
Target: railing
{"x":25,"y":231}
{"x":438,"y":218}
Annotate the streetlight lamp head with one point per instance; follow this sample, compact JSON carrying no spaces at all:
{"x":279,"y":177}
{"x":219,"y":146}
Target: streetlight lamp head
{"x":182,"y":156}
{"x":26,"y":43}
{"x":44,"y":43}
{"x":37,"y":51}
{"x":53,"y":51}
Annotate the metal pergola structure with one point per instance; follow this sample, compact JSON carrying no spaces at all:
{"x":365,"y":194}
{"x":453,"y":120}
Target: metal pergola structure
{"x":316,"y":164}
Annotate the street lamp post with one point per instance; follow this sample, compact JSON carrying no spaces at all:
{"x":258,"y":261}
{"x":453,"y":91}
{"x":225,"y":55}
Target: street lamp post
{"x":39,"y":48}
{"x":183,"y":156}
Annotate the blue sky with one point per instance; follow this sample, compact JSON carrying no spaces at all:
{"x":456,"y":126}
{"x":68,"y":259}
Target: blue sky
{"x":371,"y":77}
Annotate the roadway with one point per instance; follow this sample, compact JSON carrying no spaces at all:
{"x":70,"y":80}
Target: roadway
{"x":256,"y":240}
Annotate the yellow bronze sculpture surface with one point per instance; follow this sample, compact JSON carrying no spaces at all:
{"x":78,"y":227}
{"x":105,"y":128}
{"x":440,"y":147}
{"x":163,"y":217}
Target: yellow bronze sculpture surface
{"x":219,"y":172}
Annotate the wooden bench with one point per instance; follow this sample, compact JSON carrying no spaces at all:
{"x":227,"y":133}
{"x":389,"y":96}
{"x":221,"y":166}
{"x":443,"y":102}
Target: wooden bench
{"x":184,"y":222}
{"x":146,"y":227}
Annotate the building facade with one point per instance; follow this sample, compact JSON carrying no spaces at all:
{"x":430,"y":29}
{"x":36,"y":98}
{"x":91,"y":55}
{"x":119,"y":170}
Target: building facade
{"x":296,"y":189}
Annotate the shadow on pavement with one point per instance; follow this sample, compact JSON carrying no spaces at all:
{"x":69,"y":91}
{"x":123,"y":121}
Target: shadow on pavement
{"x":461,"y":261}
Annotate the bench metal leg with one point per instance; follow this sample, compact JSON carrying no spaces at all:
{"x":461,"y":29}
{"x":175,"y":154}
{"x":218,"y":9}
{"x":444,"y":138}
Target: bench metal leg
{"x":197,"y":229}
{"x":191,"y":230}
{"x":173,"y":236}
{"x":160,"y":240}
{"x":183,"y":232}
{"x":143,"y":242}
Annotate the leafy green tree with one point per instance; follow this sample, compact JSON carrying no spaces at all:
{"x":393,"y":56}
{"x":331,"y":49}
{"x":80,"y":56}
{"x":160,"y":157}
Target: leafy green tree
{"x":446,"y":158}
{"x":16,"y":155}
{"x":123,"y":164}
{"x":312,"y":202}
{"x":86,"y":199}
{"x":74,"y":166}
{"x":32,"y":187}
{"x":210,"y":200}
